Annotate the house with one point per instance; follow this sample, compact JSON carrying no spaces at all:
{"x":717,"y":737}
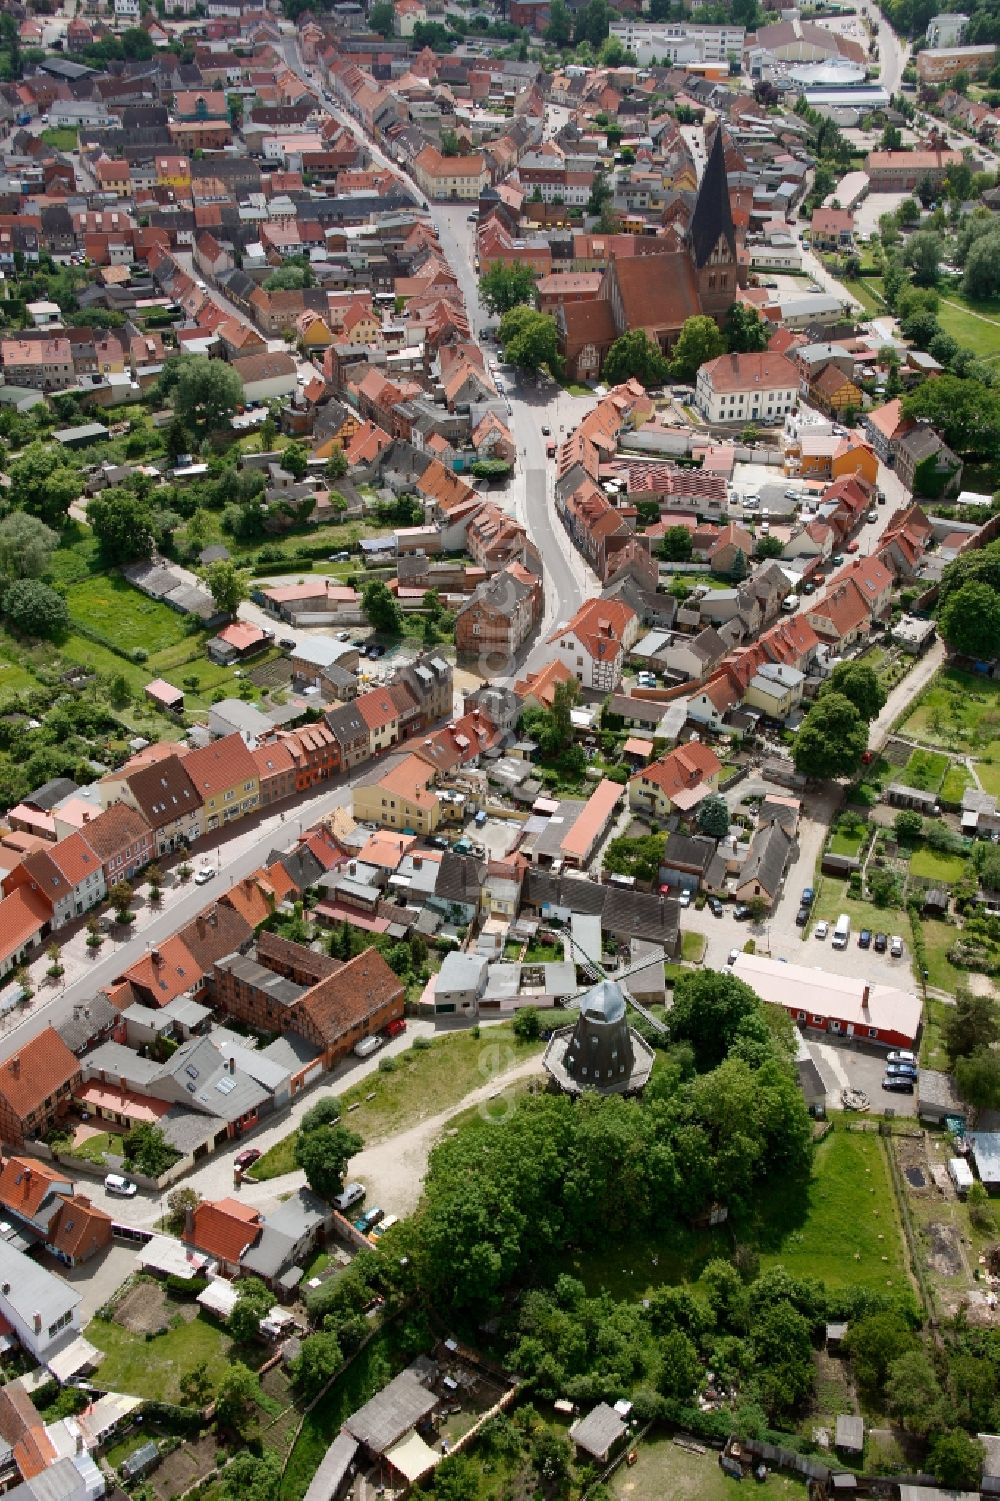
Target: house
{"x":450,"y":177}
{"x":164,"y":794}
{"x":41,"y":1199}
{"x":237,"y":642}
{"x":834,"y":392}
{"x":900,"y":171}
{"x":599,"y":1435}
{"x":936,"y":65}
{"x":678,"y":780}
{"x":747,"y":388}
{"x":36,"y":1087}
{"x":776,"y":690}
{"x":122,"y":840}
{"x":885,"y":427}
{"x":498,"y":617}
{"x":536,"y":690}
{"x":68,"y":877}
{"x":885,"y":1015}
{"x":763,"y":870}
{"x":460,"y":984}
{"x":832,"y":229}
{"x":397,"y":795}
{"x":25,"y":919}
{"x":267,"y":377}
{"x":40,"y":1309}
{"x":222,"y":1229}
{"x":926,"y":465}
{"x":224,"y":775}
{"x":593,"y":645}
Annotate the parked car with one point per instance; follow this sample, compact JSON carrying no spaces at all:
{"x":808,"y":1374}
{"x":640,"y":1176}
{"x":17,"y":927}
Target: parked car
{"x":873,"y":514}
{"x":898,"y":1083}
{"x":685,"y":898}
{"x":715,"y":905}
{"x":901,"y":1071}
{"x":808,"y":587}
{"x":901,"y":1055}
{"x":741,"y":912}
{"x":396,"y":1027}
{"x":246,"y":1158}
{"x":865,"y":938}
{"x":204,"y":874}
{"x":895,"y":947}
{"x":837,"y":559}
{"x":802,"y":917}
{"x":114,"y":1183}
{"x":881,"y":943}
{"x":821,"y":930}
{"x":546,"y":432}
{"x":734,"y":954}
{"x":808,"y":896}
{"x":287,"y":643}
{"x":373,"y":651}
{"x":352,"y":1194}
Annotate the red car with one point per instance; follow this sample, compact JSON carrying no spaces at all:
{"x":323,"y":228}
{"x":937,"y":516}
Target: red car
{"x":247,"y":1157}
{"x":394,"y":1028}
{"x":853,"y":546}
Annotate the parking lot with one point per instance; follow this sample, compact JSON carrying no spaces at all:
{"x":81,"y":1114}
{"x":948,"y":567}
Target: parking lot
{"x":844,"y":1065}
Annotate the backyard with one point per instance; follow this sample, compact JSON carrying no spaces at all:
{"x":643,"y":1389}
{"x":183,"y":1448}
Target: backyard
{"x":147,"y":1360}
{"x":976,"y":325}
{"x":664,"y":1469}
{"x":958,"y":712}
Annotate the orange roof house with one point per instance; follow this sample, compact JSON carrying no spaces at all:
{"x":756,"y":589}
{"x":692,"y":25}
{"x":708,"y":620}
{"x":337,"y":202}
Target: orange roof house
{"x":36,"y":1087}
{"x":222,"y":1229}
{"x":679,"y":780}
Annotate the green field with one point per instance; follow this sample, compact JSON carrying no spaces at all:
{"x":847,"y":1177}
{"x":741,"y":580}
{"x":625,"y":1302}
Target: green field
{"x":933,"y":866}
{"x":844,"y":1232}
{"x":866,"y":289}
{"x":842,"y":843}
{"x":423,"y":1083}
{"x":664,"y":1470}
{"x":959,"y":710}
{"x":932,"y":1053}
{"x":989,"y":776}
{"x":924,"y":770}
{"x":693,"y":947}
{"x":833,"y":899}
{"x":941,"y":973}
{"x":108,"y":604}
{"x":60,"y":137}
{"x":976,"y":325}
{"x":152,"y":1368}
{"x":956,"y":779}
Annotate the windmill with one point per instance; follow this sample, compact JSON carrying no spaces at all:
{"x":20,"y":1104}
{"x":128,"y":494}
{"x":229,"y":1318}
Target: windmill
{"x":600,"y":1051}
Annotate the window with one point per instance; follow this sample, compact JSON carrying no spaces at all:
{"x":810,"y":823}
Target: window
{"x":817,"y":1021}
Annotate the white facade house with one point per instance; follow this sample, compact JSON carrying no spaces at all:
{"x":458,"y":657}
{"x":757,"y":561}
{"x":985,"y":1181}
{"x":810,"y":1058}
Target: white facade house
{"x":678,"y":41}
{"x":594,"y":644}
{"x":126,"y":10}
{"x":42,"y":1310}
{"x":946,"y":30}
{"x":746,"y":388}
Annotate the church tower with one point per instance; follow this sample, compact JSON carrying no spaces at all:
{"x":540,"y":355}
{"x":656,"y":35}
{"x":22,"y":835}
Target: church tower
{"x":713,"y":237}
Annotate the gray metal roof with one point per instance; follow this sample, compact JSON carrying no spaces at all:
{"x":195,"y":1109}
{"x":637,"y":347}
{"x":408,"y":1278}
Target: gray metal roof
{"x":326,"y":1483}
{"x":599,"y":1431}
{"x":31,"y":1289}
{"x":285,"y":992}
{"x":392,"y":1412}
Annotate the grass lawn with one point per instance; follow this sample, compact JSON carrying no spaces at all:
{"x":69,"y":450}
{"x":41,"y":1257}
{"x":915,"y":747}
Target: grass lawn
{"x":60,"y":137}
{"x":932,"y":1053}
{"x":14,"y":676}
{"x":106,"y":603}
{"x":663,"y":1469}
{"x":844,"y":1225}
{"x":938,"y":939}
{"x":422,"y":1084}
{"x":956,"y":779}
{"x":934,"y":866}
{"x":957,"y":316}
{"x":693,"y":947}
{"x":833,"y":899}
{"x":960,"y":710}
{"x":842,"y":843}
{"x":152,"y":1368}
{"x":96,"y":1148}
{"x":866,"y":290}
{"x":924,"y":770}
{"x":542,"y":953}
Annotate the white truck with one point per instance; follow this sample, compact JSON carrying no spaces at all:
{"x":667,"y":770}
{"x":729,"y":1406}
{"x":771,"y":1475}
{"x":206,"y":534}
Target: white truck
{"x":842,"y":932}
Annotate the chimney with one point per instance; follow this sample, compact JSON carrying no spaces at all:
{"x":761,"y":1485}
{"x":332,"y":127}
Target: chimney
{"x":864,"y":997}
{"x":79,"y":1443}
{"x":232,"y":1065}
{"x":36,"y":1320}
{"x":15,"y":1067}
{"x":202,"y":925}
{"x":154,"y":954}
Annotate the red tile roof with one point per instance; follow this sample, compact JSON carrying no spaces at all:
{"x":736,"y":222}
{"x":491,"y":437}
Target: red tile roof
{"x":222,"y":1229}
{"x":221,"y":765}
{"x":23,"y":914}
{"x":42,"y":1067}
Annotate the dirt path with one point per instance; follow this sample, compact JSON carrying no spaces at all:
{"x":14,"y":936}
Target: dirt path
{"x":393,"y":1170}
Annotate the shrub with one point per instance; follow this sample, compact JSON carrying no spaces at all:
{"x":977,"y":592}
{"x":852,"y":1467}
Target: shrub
{"x":420,"y":1044}
{"x":139,"y":654}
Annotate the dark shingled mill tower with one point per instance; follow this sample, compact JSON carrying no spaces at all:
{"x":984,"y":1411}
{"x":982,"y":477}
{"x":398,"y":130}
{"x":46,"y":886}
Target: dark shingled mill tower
{"x":601,"y":1052}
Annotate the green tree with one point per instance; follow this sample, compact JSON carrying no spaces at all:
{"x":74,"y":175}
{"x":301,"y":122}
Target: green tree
{"x":325,"y":1112}
{"x":380,"y":18}
{"x":228,"y":585}
{"x":746,"y":331}
{"x":147,"y":1151}
{"x":965,"y":413}
{"x":249,"y":1477}
{"x":196,"y":1385}
{"x":831,"y":740}
{"x":873,"y":1343}
{"x":295,"y":461}
{"x":699,"y":341}
{"x":529,"y":339}
{"x":35,"y":610}
{"x":956,"y":1460}
{"x":740,"y":566}
{"x":527,"y":1024}
{"x":551,"y":1457}
{"x":601,"y":193}
{"x":924,"y":252}
{"x":253,"y":1302}
{"x":969,"y":622}
{"x":908,"y":826}
{"x":981,"y":280}
{"x":559,"y":31}
{"x":593,"y":22}
{"x":43,"y":483}
{"x":710,"y":1008}
{"x":323,"y":1155}
{"x":318,"y":1362}
{"x":783,"y":1362}
{"x":768,"y":547}
{"x":180,"y":1200}
{"x":913,"y":1394}
{"x":859,"y":683}
{"x":206,"y":393}
{"x":713,"y":816}
{"x":236,"y":1400}
{"x":336,"y":466}
{"x":26,"y":545}
{"x":503,"y":287}
{"x":908,"y":213}
{"x":972,"y":1024}
{"x":676,"y":546}
{"x":635,"y":354}
{"x":680,"y":1371}
{"x":381,"y":608}
{"x":123,"y":525}
{"x":288,"y":278}
{"x":978,"y":1079}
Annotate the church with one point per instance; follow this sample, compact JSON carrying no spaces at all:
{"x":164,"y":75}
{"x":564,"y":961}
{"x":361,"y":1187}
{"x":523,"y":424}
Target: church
{"x":657,"y":292}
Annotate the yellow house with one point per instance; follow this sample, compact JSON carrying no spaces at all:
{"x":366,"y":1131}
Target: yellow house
{"x":173,"y":172}
{"x":335,"y":427}
{"x":834,"y":391}
{"x":854,"y":457}
{"x":313,"y":330}
{"x":397,"y":795}
{"x":776,"y":690}
{"x":226,"y":777}
{"x":679,"y":780}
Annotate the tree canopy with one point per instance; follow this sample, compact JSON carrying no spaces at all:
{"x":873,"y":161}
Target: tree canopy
{"x":858,"y":683}
{"x":228,"y":585}
{"x":831,"y":740}
{"x":381,"y":608}
{"x":34,"y":609}
{"x":26,"y":545}
{"x":529,"y":339}
{"x":699,"y":341}
{"x":44,"y":483}
{"x":746,"y":331}
{"x":634,"y":354}
{"x":323,"y":1155}
{"x":503,"y":287}
{"x":123,"y":524}
{"x":205,"y":393}
{"x":969,"y":621}
{"x":965,"y":412}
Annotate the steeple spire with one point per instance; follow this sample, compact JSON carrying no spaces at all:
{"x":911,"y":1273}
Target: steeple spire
{"x":712,"y":219}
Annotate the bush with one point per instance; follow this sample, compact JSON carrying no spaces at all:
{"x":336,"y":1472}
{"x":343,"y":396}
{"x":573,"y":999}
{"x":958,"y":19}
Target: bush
{"x":139,"y":654}
{"x":420,"y":1044}
{"x":387,"y":1065}
{"x":185,"y":1287}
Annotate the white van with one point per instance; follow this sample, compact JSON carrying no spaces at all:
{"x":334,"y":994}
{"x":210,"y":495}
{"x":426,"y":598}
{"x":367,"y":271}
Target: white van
{"x":842,"y":932}
{"x":368,"y":1045}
